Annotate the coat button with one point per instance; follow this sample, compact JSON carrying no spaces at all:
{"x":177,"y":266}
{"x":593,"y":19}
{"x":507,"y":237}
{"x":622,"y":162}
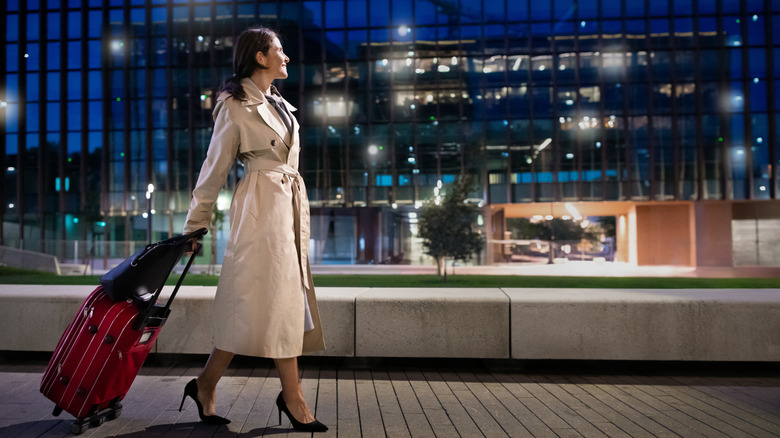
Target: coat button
{"x":273,"y":142}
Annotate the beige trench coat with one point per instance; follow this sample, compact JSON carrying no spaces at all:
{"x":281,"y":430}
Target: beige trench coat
{"x":259,"y":307}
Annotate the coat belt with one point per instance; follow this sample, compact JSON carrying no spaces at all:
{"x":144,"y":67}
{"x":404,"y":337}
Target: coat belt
{"x":294,"y":179}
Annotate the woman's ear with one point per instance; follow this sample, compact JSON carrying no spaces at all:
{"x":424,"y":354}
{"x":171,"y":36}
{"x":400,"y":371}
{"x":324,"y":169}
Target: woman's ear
{"x":260,"y":58}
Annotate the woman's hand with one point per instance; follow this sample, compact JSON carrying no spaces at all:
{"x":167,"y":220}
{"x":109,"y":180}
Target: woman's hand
{"x":193,"y":246}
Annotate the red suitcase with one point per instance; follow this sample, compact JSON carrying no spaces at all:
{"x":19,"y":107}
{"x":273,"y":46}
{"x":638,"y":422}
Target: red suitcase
{"x":101,"y":352}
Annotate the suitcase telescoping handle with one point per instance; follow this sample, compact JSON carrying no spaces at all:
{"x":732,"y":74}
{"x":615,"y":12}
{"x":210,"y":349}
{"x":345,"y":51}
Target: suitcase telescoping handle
{"x":180,"y":241}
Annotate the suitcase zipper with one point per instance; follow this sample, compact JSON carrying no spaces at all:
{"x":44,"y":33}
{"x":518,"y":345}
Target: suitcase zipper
{"x":120,"y":355}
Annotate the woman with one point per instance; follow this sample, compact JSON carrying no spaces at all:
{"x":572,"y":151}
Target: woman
{"x":265,"y":304}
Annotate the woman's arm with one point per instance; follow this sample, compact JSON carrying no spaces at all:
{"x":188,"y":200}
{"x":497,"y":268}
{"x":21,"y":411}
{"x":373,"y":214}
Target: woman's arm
{"x":220,"y":158}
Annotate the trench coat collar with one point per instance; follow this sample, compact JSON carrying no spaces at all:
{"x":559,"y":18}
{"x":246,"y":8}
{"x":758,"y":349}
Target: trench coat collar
{"x":254,"y":97}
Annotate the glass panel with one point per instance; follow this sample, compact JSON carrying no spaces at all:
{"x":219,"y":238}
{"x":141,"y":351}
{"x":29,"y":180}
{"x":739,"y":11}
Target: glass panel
{"x":760,"y":152}
{"x":53,"y":25}
{"x":379,"y":13}
{"x":95,"y":24}
{"x":33,"y":88}
{"x":74,"y":24}
{"x":53,"y":116}
{"x":32,"y":118}
{"x":33,"y":26}
{"x":74,"y":85}
{"x":53,"y":86}
{"x":12,"y":57}
{"x":12,"y":27}
{"x":53,"y":56}
{"x":33,"y":56}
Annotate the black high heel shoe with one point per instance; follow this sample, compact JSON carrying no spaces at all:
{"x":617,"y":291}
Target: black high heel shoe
{"x":192,"y":390}
{"x":314,"y":426}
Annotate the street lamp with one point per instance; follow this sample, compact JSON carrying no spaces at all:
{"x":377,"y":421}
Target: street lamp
{"x":149,"y":191}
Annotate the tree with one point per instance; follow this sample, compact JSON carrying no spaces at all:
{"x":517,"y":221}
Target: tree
{"x":448,"y":226}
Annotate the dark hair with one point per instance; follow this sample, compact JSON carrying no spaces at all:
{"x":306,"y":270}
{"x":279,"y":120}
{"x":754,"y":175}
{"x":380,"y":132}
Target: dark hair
{"x":248,"y":43}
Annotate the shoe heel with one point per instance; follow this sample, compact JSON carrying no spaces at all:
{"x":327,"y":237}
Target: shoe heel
{"x":184,"y":397}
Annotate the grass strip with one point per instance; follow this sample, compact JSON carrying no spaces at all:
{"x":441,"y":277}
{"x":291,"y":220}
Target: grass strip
{"x":20,"y":276}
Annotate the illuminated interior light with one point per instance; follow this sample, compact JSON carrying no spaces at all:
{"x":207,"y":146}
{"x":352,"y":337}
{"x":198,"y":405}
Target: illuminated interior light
{"x":487,"y":70}
{"x":573,"y":210}
{"x":516,"y":65}
{"x":454,"y":60}
{"x":443,"y":69}
{"x":419,"y":71}
{"x":373,"y":150}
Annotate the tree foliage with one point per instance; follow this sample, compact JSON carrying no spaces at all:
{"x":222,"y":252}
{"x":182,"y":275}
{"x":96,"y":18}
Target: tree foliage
{"x":449,"y":227}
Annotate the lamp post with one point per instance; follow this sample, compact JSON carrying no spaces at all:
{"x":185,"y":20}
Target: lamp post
{"x":550,"y":220}
{"x":149,"y":191}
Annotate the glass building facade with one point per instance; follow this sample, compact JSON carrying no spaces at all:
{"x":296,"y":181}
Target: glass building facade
{"x":541,"y":101}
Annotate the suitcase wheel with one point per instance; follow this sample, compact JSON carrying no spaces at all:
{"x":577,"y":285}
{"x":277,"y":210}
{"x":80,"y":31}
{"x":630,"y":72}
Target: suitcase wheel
{"x":113,"y":415}
{"x":78,"y":428}
{"x":97,"y":422}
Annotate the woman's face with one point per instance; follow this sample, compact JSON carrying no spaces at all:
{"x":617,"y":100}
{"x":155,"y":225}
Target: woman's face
{"x":275,"y":60}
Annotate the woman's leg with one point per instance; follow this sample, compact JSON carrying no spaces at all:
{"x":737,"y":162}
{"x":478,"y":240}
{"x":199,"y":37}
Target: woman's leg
{"x":291,"y":389}
{"x":208,"y":378}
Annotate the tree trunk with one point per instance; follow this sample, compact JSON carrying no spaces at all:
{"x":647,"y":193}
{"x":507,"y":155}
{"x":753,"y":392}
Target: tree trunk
{"x":444,"y":262}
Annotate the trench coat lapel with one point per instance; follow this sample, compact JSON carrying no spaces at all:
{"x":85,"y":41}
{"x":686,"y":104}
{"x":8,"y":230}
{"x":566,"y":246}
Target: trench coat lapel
{"x":269,"y":115}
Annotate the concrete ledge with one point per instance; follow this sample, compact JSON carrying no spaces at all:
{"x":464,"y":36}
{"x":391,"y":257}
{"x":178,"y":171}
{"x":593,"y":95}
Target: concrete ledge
{"x":412,"y":322}
{"x":36,"y":261}
{"x":643,"y":324}
{"x":597,"y":324}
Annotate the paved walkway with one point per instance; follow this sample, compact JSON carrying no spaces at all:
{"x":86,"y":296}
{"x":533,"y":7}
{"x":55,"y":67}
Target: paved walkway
{"x":440,"y":398}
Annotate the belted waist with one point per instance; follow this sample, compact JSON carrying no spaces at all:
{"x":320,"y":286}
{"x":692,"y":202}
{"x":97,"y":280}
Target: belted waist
{"x":299,"y":208}
{"x":256,"y":164}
